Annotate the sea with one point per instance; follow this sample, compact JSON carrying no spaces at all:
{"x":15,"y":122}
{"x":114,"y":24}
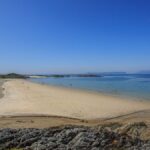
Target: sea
{"x":127,"y":85}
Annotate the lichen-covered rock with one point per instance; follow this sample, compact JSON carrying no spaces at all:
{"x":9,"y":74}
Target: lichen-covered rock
{"x":106,"y":137}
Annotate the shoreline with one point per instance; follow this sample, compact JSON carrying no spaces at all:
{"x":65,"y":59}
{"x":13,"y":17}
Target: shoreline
{"x":32,"y":129}
{"x":41,"y":120}
{"x":121,"y":96}
{"x":23,"y":97}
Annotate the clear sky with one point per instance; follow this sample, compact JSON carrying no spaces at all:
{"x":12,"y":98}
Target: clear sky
{"x":72,"y":36}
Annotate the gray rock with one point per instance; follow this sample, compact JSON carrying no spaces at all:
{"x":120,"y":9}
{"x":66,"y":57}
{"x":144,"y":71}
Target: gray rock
{"x":76,"y":138}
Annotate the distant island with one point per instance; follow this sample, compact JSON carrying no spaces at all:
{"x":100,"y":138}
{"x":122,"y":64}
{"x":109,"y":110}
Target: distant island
{"x":13,"y":76}
{"x":20,"y":76}
{"x":86,"y":75}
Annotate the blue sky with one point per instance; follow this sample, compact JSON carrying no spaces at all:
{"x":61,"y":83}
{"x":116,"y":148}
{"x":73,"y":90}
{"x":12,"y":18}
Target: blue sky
{"x":73,"y":36}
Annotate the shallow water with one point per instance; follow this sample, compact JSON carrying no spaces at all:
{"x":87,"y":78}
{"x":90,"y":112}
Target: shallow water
{"x":136,"y":85}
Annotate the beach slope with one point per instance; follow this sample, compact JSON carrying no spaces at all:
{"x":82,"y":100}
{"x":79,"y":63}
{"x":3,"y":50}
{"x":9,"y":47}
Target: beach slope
{"x":22,"y":97}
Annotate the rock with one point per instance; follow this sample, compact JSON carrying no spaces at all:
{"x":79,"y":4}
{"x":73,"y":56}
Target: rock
{"x":134,"y":129}
{"x":106,"y":137}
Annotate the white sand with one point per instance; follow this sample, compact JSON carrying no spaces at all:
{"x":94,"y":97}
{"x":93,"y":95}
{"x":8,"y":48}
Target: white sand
{"x":25,"y":98}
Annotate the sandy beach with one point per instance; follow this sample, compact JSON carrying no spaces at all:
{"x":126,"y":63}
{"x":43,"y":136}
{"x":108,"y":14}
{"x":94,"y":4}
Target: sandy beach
{"x":22,"y":97}
{"x":35,"y":113}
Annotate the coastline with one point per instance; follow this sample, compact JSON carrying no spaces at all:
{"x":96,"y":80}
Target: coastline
{"x":120,"y":96}
{"x":137,"y":97}
{"x":23,"y":97}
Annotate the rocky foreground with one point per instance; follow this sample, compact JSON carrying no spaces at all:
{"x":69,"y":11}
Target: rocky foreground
{"x":105,"y":137}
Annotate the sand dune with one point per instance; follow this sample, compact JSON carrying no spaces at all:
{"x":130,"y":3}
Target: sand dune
{"x":22,"y":97}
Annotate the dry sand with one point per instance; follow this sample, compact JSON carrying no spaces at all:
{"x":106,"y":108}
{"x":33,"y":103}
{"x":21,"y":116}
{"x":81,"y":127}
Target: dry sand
{"x":24,"y":98}
{"x":53,"y":121}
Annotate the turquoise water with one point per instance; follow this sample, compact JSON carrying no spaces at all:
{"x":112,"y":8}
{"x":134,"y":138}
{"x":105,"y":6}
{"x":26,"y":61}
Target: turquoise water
{"x":137,"y":86}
